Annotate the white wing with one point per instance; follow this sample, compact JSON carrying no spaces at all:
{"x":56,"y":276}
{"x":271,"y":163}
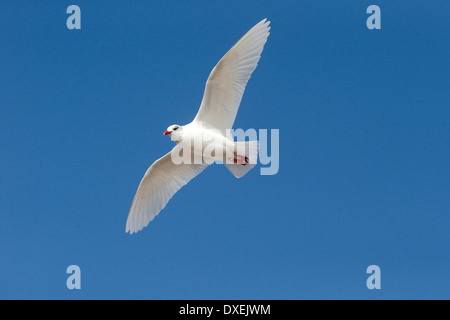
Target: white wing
{"x":227,"y":81}
{"x":161,"y":181}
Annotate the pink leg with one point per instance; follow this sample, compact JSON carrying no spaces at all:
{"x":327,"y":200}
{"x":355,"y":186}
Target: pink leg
{"x":238,"y":158}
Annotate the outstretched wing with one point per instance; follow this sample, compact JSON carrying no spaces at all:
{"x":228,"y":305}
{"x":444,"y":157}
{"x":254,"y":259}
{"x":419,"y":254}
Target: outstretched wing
{"x":161,"y":181}
{"x":227,"y":81}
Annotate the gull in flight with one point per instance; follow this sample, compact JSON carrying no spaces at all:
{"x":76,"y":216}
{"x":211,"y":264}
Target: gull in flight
{"x":211,"y":126}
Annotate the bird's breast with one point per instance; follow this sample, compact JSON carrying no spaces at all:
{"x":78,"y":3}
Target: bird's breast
{"x":207,"y":143}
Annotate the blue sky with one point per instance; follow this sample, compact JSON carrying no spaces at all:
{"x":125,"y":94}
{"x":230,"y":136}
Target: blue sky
{"x":364,"y":151}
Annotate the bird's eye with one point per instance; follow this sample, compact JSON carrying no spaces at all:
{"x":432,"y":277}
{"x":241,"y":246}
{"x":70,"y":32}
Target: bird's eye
{"x":175,"y":129}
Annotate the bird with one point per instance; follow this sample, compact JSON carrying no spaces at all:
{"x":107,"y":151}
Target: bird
{"x":211,"y":126}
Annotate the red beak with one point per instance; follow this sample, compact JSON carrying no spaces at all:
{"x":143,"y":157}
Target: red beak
{"x":167,"y":132}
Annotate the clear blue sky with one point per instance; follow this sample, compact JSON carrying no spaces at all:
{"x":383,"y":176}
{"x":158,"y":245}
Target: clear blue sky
{"x":364,"y":151}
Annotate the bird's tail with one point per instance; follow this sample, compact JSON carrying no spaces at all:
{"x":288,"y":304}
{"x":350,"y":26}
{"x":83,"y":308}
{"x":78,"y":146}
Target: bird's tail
{"x":245,"y":158}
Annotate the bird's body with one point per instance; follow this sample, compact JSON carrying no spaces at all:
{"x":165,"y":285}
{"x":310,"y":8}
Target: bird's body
{"x":199,"y":140}
{"x":206,"y":139}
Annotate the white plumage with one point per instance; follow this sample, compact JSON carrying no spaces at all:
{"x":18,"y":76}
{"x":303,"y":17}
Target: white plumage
{"x":227,"y":81}
{"x":223,"y":93}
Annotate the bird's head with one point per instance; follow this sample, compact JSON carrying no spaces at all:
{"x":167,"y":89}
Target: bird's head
{"x":175,"y":132}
